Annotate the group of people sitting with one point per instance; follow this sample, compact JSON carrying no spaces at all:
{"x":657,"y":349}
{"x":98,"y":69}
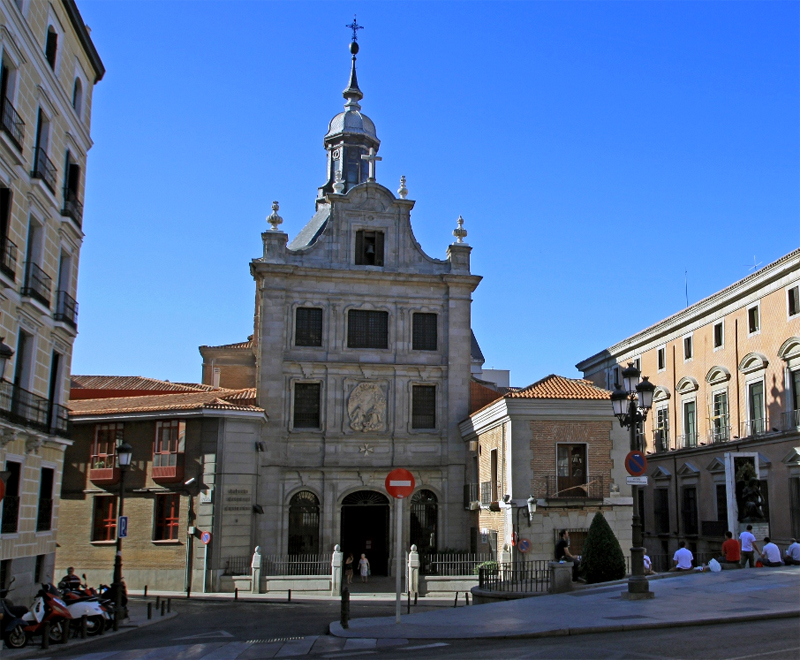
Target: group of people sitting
{"x":742,"y":552}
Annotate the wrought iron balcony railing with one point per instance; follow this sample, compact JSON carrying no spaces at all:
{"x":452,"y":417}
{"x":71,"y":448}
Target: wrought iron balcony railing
{"x":661,"y":440}
{"x":28,"y":409}
{"x":38,"y":284}
{"x":44,"y":169}
{"x":486,"y":493}
{"x":13,"y":126}
{"x":791,"y":420}
{"x":73,"y":208}
{"x":719,"y":430}
{"x":66,"y":309}
{"x":8,"y":258}
{"x":753,"y":427}
{"x":687,"y":440}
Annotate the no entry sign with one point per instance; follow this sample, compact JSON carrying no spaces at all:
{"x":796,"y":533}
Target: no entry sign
{"x":400,"y":483}
{"x":635,"y":463}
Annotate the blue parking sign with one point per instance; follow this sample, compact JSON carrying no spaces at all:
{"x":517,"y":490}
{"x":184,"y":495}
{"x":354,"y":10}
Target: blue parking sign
{"x":122,"y":526}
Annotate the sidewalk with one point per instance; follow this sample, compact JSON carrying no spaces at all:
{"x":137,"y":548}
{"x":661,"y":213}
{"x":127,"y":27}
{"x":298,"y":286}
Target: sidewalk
{"x":686,"y":600}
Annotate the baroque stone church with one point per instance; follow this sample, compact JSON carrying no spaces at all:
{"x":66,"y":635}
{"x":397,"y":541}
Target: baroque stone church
{"x":361,"y":356}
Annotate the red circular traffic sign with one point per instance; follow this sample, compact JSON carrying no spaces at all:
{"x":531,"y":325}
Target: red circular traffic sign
{"x":400,"y":483}
{"x":524,"y":545}
{"x":636,"y":463}
{"x":205,"y":537}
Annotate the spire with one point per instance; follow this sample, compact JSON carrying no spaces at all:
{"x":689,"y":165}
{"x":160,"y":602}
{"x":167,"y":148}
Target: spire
{"x":353,"y":93}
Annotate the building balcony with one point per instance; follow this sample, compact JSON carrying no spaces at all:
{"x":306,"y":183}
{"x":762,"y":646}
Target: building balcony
{"x":28,"y":409}
{"x":44,"y":169}
{"x":168,"y":473}
{"x":755,"y":427}
{"x":574,"y":488}
{"x":687,"y":440}
{"x":791,"y":421}
{"x":8,"y":258}
{"x":66,"y":309}
{"x":471,"y":496}
{"x":72,"y":208}
{"x":719,"y":430}
{"x":38,"y":284}
{"x":661,"y":440}
{"x":12,"y":124}
{"x":103,"y":470}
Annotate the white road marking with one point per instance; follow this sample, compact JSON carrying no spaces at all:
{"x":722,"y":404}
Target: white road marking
{"x":761,"y":655}
{"x":208,"y":635}
{"x":425,"y":646}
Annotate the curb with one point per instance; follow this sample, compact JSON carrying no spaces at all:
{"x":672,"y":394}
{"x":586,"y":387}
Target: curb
{"x":31,"y":651}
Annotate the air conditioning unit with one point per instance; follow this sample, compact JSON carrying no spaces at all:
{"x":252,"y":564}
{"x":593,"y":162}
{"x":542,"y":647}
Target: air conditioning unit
{"x":474,"y":506}
{"x":473,"y":446}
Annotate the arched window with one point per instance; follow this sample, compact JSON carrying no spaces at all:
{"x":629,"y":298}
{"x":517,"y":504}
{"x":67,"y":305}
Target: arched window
{"x":304,"y":524}
{"x":51,"y":47}
{"x":77,"y":96}
{"x":424,"y":514}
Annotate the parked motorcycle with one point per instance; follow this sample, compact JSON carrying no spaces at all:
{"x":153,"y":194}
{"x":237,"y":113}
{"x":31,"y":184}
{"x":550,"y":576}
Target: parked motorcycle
{"x":12,"y":624}
{"x":86,"y":602}
{"x":48,"y":606}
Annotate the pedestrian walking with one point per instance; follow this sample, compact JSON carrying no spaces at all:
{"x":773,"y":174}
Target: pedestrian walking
{"x":749,"y":547}
{"x":348,"y":568}
{"x":363,"y":567}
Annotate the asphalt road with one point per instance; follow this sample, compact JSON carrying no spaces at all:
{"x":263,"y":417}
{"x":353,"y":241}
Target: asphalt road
{"x":260,"y":622}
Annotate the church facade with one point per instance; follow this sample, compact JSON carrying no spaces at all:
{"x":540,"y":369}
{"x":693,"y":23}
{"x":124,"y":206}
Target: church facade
{"x":362,"y":359}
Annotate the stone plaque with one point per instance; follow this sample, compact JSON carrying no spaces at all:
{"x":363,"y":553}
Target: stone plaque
{"x":366,"y":407}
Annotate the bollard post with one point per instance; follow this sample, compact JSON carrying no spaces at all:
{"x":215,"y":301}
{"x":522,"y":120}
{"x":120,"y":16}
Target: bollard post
{"x":455,"y":602}
{"x":236,"y":594}
{"x":46,"y":635}
{"x":290,"y":596}
{"x":344,"y":615}
{"x":169,"y":604}
{"x":188,"y":593}
{"x":66,"y":629}
{"x":163,"y":607}
{"x":158,"y":602}
{"x":408,"y":608}
{"x":84,"y":622}
{"x":415,"y":599}
{"x":149,"y":611}
{"x":116,"y":619}
{"x":145,"y":591}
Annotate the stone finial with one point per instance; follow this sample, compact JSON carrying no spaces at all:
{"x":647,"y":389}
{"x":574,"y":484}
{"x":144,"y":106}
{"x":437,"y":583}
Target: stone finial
{"x":459,"y":232}
{"x":338,"y":184}
{"x":273,"y":218}
{"x":402,"y":191}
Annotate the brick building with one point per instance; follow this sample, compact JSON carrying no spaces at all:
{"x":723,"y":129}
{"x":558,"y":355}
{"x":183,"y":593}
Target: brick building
{"x":557,"y":440}
{"x":49,"y":68}
{"x":193,"y":469}
{"x":727,"y":371}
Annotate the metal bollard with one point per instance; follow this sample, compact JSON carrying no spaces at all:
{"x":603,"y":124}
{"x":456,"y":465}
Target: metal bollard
{"x":188,"y":593}
{"x":408,"y":607}
{"x":158,"y":601}
{"x":415,"y":597}
{"x":46,"y":635}
{"x":289,"y":600}
{"x":116,"y":619}
{"x":66,"y":629}
{"x":344,"y":615}
{"x":169,"y":604}
{"x":84,"y":623}
{"x":163,"y":607}
{"x":466,"y":597}
{"x":455,"y":602}
{"x":149,"y":611}
{"x":236,"y":594}
{"x":145,"y":591}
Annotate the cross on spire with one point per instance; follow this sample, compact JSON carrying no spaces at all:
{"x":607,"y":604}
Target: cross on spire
{"x":371,"y":157}
{"x":354,"y":26}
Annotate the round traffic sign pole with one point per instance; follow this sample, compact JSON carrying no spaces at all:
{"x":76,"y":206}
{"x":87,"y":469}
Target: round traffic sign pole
{"x":399,"y":484}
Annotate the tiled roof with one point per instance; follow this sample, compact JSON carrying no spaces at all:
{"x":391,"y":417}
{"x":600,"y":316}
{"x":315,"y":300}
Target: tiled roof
{"x":219,"y":399}
{"x":133,"y":383}
{"x":559,"y":387}
{"x":240,"y":345}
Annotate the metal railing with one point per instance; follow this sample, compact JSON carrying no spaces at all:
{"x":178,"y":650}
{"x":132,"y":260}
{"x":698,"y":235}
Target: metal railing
{"x":72,"y":208}
{"x":471,"y":494}
{"x":514,"y":577}
{"x":23,"y":407}
{"x":237,"y":566}
{"x":719,"y":432}
{"x":687,"y":440}
{"x":66,"y":309}
{"x":594,"y":488}
{"x":38,"y":284}
{"x":663,"y":563}
{"x":44,"y":169}
{"x":281,"y":565}
{"x":13,"y":126}
{"x":661,"y":440}
{"x":8,"y":258}
{"x":757,"y":426}
{"x":453,"y":564}
{"x":44,"y":517}
{"x":486,"y":493}
{"x":791,"y":420}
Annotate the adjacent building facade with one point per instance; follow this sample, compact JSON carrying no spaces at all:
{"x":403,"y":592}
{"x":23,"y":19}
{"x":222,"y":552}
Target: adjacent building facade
{"x":49,"y":68}
{"x":723,"y":436}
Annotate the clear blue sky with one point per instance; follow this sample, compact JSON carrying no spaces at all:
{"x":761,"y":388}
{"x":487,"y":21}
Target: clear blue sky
{"x":597,"y":151}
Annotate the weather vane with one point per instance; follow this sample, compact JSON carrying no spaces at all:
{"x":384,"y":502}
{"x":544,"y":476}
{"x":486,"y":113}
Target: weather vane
{"x":355,"y":27}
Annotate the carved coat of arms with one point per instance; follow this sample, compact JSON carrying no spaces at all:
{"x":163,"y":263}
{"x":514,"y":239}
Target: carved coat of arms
{"x":366,"y":407}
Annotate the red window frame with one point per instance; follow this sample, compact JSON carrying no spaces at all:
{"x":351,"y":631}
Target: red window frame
{"x":104,"y":520}
{"x":107,"y":437}
{"x":170,"y":441}
{"x":167,"y":517}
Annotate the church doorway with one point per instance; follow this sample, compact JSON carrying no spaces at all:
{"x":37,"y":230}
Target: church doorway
{"x":365,"y":529}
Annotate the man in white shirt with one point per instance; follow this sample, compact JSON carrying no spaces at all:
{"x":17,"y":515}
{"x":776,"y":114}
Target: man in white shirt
{"x":771,"y":555}
{"x":749,"y":547}
{"x":792,"y":556}
{"x":683,"y":558}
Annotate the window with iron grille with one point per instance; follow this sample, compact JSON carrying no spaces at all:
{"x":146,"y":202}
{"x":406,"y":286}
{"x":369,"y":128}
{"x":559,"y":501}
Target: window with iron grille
{"x":661,"y":510}
{"x":170,"y":441}
{"x":689,"y":509}
{"x":167,"y":517}
{"x":424,"y":334}
{"x":44,"y":516}
{"x":367,"y":329}
{"x":308,"y":326}
{"x":104,"y":522}
{"x":369,"y":248}
{"x":722,"y":503}
{"x":304,"y":523}
{"x":11,"y":499}
{"x":306,"y":405}
{"x":107,"y":437}
{"x":423,"y":407}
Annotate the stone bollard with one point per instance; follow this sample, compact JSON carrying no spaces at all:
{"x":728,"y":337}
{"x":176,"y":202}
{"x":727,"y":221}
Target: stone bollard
{"x":163,"y":607}
{"x":344,"y":614}
{"x":255,"y":571}
{"x":336,"y":570}
{"x":413,"y":572}
{"x":169,"y":604}
{"x":560,"y":577}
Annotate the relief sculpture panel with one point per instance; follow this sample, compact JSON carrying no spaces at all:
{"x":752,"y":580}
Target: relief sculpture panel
{"x":366,"y":407}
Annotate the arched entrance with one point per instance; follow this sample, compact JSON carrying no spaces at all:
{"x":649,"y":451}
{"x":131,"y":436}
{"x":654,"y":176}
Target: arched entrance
{"x":304,"y":524}
{"x":365,"y":528}
{"x":424,"y":513}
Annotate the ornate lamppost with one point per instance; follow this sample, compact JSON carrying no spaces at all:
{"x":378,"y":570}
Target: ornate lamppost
{"x":531,"y":509}
{"x":631,"y":404}
{"x":124,"y":455}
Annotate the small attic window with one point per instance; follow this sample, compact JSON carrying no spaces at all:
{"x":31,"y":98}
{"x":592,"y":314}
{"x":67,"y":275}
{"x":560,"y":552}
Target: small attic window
{"x":369,"y":248}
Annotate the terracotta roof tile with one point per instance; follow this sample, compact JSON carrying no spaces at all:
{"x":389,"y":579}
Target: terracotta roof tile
{"x":559,"y":387}
{"x":239,"y":345}
{"x":218,"y":399}
{"x":133,"y":383}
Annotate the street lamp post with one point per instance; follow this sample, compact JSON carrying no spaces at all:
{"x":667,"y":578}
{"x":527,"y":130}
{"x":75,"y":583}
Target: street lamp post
{"x":631,"y":404}
{"x":531,"y":508}
{"x":124,"y":454}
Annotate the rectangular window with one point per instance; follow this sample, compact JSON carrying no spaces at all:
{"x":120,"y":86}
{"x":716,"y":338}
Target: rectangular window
{"x":755,"y":399}
{"x":107,"y":437}
{"x":38,"y":574}
{"x":689,"y":424}
{"x":423,"y":407}
{"x":494,"y":467}
{"x":571,"y":470}
{"x":167,"y":517}
{"x":793,"y":300}
{"x":689,"y":509}
{"x":51,"y":47}
{"x":367,"y":329}
{"x":795,"y":378}
{"x":661,"y":356}
{"x":719,"y":335}
{"x":794,"y":499}
{"x":662,"y":429}
{"x":722,"y":503}
{"x":5,"y":573}
{"x":661,"y":510}
{"x":687,"y":348}
{"x":44,"y":516}
{"x":170,"y":441}
{"x":369,"y":248}
{"x":308,"y":326}
{"x":306,"y":405}
{"x":104,"y":521}
{"x":424,"y":334}
{"x":11,"y":499}
{"x":753,"y":320}
{"x":720,"y":424}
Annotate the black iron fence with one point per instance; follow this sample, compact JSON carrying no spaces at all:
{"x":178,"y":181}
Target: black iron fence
{"x":519,"y":577}
{"x":73,"y":208}
{"x":281,"y":565}
{"x":13,"y":126}
{"x":44,"y":169}
{"x":66,"y":309}
{"x":452,"y":564}
{"x":38,"y":284}
{"x":23,"y":407}
{"x":8,"y":258}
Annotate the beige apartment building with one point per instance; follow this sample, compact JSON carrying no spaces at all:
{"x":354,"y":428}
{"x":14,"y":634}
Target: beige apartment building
{"x":725,"y":411}
{"x":49,"y":68}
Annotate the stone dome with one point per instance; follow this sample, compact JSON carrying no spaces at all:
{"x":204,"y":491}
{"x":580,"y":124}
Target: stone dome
{"x":353,"y":122}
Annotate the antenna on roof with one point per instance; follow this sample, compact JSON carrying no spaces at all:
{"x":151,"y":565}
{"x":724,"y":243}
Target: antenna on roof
{"x":755,"y":265}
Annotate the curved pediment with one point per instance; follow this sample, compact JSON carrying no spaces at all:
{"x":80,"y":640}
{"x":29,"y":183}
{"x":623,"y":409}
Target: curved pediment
{"x":718,"y":375}
{"x":661,"y":393}
{"x":753,"y":362}
{"x":370,"y":196}
{"x":789,"y":349}
{"x":686,"y":385}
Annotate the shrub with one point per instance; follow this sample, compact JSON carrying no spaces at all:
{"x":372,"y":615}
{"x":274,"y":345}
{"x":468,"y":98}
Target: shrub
{"x":602,"y":556}
{"x":488,"y":565}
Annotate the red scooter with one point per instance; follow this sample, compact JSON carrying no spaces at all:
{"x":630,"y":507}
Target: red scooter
{"x":48,"y":607}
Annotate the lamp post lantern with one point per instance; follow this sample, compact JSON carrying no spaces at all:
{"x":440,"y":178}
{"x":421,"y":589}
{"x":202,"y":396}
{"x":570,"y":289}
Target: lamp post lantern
{"x":124,"y":455}
{"x":631,"y":405}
